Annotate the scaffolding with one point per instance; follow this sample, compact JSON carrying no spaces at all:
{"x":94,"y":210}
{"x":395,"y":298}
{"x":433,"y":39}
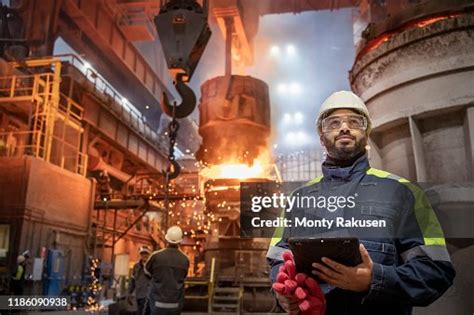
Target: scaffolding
{"x":54,"y":121}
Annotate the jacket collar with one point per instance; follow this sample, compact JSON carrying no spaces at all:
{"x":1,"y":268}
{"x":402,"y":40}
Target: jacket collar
{"x":358,"y":168}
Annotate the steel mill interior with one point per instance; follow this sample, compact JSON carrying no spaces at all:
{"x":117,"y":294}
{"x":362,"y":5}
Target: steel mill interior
{"x":121,"y":118}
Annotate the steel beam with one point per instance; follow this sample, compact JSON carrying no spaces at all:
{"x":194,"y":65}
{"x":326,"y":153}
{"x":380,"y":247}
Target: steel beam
{"x":90,"y":27}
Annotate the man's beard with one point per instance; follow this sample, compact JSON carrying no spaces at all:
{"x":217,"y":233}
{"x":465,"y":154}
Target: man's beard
{"x":344,"y":153}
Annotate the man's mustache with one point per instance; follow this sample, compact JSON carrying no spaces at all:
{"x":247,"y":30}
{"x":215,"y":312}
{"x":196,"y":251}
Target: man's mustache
{"x":345,"y":135}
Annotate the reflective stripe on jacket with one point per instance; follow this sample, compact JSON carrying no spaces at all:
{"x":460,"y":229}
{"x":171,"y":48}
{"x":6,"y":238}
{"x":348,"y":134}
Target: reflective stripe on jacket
{"x":20,"y":273}
{"x":168,"y":268}
{"x":411,"y":267}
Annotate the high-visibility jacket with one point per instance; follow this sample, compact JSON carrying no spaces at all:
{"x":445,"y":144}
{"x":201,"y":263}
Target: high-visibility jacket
{"x":18,"y":280}
{"x":412,"y":266}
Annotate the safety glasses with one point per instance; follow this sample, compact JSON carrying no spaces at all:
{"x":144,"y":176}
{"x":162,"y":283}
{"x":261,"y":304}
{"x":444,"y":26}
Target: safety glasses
{"x":332,"y":123}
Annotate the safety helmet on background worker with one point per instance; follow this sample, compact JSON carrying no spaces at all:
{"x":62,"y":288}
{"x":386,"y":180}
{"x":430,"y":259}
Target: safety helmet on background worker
{"x":343,"y":100}
{"x":144,"y":249}
{"x":20,"y":259}
{"x":174,"y":235}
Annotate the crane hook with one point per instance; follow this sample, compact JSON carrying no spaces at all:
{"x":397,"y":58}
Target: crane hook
{"x":188,"y":104}
{"x":173,"y":170}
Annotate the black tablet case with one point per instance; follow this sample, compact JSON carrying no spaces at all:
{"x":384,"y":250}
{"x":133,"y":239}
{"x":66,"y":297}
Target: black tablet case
{"x":309,"y":250}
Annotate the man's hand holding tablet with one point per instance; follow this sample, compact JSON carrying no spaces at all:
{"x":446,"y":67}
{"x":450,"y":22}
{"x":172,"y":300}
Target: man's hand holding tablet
{"x":296,"y":292}
{"x":357,"y":278}
{"x":341,"y":262}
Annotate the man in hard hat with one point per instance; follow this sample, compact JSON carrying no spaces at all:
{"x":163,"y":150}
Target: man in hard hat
{"x":140,"y":282}
{"x":168,"y":268}
{"x":18,"y":278}
{"x":409,"y":268}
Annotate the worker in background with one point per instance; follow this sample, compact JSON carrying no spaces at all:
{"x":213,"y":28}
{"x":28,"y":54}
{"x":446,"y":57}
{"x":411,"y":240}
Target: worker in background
{"x":168,"y":268}
{"x":11,"y":144}
{"x":26,"y":254}
{"x":3,"y":143}
{"x":140,"y":282}
{"x":103,"y":184}
{"x":18,"y":278}
{"x":407,"y":269}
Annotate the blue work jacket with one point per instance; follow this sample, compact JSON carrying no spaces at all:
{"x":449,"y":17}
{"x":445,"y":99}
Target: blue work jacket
{"x":411,"y":264}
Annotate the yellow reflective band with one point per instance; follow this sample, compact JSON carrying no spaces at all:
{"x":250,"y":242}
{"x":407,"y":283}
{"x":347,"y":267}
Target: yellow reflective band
{"x":314,"y":181}
{"x":427,"y":220}
{"x":377,"y":172}
{"x":435,"y":241}
{"x":425,"y":216}
{"x":19,"y":272}
{"x":278,"y":233}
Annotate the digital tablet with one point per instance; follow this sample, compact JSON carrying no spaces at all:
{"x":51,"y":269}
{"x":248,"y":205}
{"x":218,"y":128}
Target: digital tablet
{"x":306,"y":251}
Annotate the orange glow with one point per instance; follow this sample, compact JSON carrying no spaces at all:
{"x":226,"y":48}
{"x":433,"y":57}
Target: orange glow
{"x":240,"y":171}
{"x":222,"y":188}
{"x":233,"y":168}
{"x":431,"y":21}
{"x":376,"y":42}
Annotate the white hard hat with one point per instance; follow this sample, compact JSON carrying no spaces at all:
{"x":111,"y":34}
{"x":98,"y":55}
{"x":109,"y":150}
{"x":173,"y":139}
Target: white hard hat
{"x":174,"y":235}
{"x":144,"y":249}
{"x":20,"y":259}
{"x":341,"y":100}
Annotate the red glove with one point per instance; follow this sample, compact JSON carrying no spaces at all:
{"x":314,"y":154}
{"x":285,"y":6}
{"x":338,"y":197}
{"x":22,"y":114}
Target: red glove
{"x":290,"y":286}
{"x":300,"y":279}
{"x":300,"y":286}
{"x":290,"y":268}
{"x":282,"y":277}
{"x":314,"y":287}
{"x":285,"y":284}
{"x":301,"y":293}
{"x":314,"y":302}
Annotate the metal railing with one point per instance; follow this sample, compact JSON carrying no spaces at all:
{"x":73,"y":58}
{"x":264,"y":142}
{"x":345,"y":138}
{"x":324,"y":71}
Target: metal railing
{"x":210,"y":283}
{"x":51,"y":110}
{"x":25,"y":87}
{"x":125,"y":110}
{"x":70,"y":108}
{"x":20,"y":143}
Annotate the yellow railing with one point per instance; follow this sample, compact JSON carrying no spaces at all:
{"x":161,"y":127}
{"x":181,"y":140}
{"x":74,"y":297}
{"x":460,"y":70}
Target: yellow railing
{"x":16,"y":144}
{"x":52,"y":119}
{"x":71,"y":108}
{"x":82,"y":163}
{"x":20,"y":143}
{"x":25,"y":87}
{"x":209,"y":283}
{"x":212,"y":284}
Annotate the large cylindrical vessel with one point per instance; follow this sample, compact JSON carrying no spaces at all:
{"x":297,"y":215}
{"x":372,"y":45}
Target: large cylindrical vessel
{"x":416,"y":75}
{"x":234,"y":120}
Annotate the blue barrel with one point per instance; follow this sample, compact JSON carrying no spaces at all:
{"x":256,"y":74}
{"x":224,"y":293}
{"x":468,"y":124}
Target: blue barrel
{"x":54,"y":273}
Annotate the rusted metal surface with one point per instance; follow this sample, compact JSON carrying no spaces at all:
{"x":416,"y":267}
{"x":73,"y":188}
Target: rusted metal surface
{"x":264,"y":7}
{"x":417,"y":82}
{"x":223,"y":200}
{"x":416,"y":78}
{"x":234,"y":120}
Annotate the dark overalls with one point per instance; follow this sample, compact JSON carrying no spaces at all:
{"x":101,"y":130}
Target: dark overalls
{"x":140,"y":283}
{"x":168,"y":268}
